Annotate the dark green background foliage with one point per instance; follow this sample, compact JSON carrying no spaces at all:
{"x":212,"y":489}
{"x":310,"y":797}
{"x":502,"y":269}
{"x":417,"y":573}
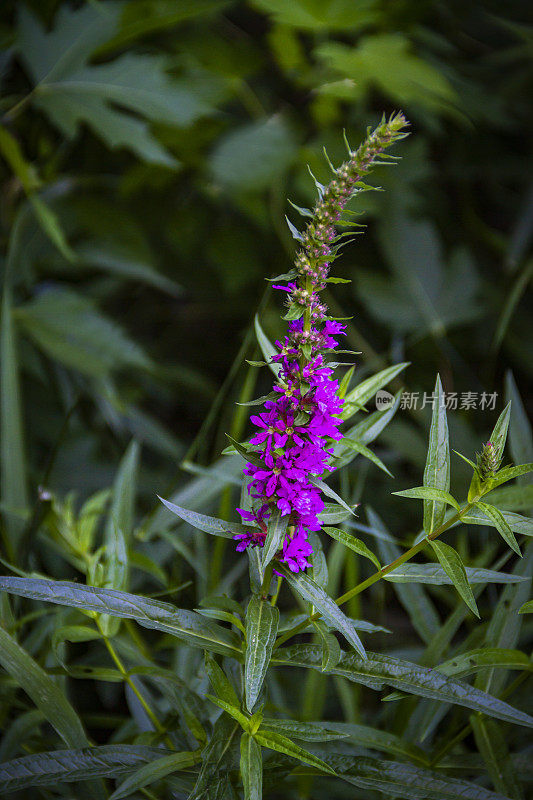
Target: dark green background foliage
{"x":147,"y":151}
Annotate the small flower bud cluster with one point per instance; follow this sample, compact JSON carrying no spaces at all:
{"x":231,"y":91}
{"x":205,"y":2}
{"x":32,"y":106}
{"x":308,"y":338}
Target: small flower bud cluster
{"x":297,"y":429}
{"x":488,"y":462}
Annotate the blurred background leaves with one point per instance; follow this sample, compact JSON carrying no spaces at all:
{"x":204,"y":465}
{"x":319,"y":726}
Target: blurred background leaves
{"x":147,"y":152}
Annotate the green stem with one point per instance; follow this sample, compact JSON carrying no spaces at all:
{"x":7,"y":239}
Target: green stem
{"x":127,"y":678}
{"x":381,"y":573}
{"x":276,"y":593}
{"x":267,"y":580}
{"x":464,"y":732}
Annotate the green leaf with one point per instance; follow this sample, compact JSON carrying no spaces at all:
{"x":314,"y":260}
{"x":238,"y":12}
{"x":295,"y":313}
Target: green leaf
{"x":45,"y":693}
{"x":220,"y":683}
{"x":72,"y":92}
{"x":374,"y":739}
{"x":255,"y":155}
{"x":70,"y":329}
{"x":332,"y":514}
{"x":428,"y":493}
{"x":454,"y":568}
{"x":267,"y":348}
{"x":331,"y":612}
{"x":13,"y":484}
{"x":498,"y":436}
{"x":415,"y":600}
{"x":527,"y":608}
{"x":215,"y":755}
{"x":306,"y":731}
{"x":62,"y":766}
{"x":367,"y":453}
{"x":503,"y":630}
{"x":362,"y":393}
{"x":516,"y":522}
{"x":218,"y":527}
{"x":125,"y":262}
{"x":485,"y":658}
{"x":232,"y":710}
{"x":251,"y":767}
{"x":329,"y":492}
{"x":72,"y":633}
{"x":513,"y":498}
{"x":119,"y":530}
{"x":276,"y":527}
{"x":10,"y":149}
{"x":262,"y":620}
{"x":508,"y":473}
{"x":365,"y":432}
{"x":395,"y":779}
{"x":354,"y":544}
{"x":331,"y":649}
{"x":377,"y":671}
{"x":500,"y":524}
{"x":435,"y":574}
{"x":186,"y":625}
{"x":156,"y":770}
{"x":520,"y":433}
{"x":491,"y":743}
{"x":437,"y":470}
{"x":275,"y":741}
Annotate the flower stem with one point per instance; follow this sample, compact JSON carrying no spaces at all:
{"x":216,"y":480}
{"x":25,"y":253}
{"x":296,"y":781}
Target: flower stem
{"x":127,"y":678}
{"x":381,"y":573}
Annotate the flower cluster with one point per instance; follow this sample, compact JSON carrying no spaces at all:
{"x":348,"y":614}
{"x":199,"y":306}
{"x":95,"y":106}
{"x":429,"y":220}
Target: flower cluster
{"x":296,"y":431}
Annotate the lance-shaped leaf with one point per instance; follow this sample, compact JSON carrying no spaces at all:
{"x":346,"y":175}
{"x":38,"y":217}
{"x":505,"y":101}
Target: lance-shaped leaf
{"x":216,"y":755}
{"x":45,"y":693}
{"x":413,"y":597}
{"x":329,"y":492}
{"x":64,"y":766}
{"x":282,"y":744}
{"x":501,"y":525}
{"x":219,"y":681}
{"x":485,"y":658}
{"x":527,"y":608}
{"x":119,"y":530}
{"x":363,"y":450}
{"x":437,"y":470}
{"x":434,"y":574}
{"x":185,"y":625}
{"x":354,"y":544}
{"x":218,"y":527}
{"x":498,"y":436}
{"x":377,"y":671}
{"x":156,"y":770}
{"x":374,"y":739}
{"x":251,"y":767}
{"x":520,"y":432}
{"x":276,"y":527}
{"x":517,"y":522}
{"x":362,"y":393}
{"x":331,"y":612}
{"x":331,"y":649}
{"x":491,"y":743}
{"x":509,"y":473}
{"x":267,"y":348}
{"x":454,"y":568}
{"x":429,"y":493}
{"x":232,"y":710}
{"x":262,"y":621}
{"x":396,"y":779}
{"x":333,"y":513}
{"x":305,"y":731}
